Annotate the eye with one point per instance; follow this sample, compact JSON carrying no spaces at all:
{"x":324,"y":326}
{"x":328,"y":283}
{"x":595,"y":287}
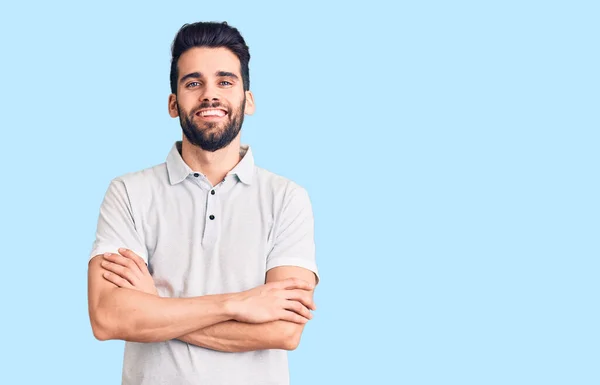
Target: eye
{"x":225,"y":83}
{"x":191,"y":84}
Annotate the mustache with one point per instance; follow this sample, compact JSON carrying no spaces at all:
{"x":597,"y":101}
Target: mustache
{"x":215,"y":104}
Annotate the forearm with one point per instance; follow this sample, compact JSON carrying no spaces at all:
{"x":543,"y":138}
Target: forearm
{"x":233,"y":336}
{"x":140,"y":317}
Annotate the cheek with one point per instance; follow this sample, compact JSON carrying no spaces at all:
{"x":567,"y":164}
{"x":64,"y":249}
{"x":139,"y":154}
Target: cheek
{"x":184,"y":109}
{"x":186,"y":102}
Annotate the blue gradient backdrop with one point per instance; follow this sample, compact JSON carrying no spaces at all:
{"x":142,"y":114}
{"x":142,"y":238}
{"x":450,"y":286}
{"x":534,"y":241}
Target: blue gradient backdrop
{"x":450,"y":150}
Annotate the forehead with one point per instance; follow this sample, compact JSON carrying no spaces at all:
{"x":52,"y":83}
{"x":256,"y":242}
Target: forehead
{"x":208,"y":61}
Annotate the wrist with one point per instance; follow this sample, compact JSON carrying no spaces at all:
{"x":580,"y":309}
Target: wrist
{"x":230,"y":306}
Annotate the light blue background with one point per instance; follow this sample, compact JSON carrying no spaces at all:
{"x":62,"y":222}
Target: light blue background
{"x":450,"y":150}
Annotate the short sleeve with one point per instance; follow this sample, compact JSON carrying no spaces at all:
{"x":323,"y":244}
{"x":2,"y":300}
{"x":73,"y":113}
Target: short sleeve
{"x":116,"y":226}
{"x":294,"y":241}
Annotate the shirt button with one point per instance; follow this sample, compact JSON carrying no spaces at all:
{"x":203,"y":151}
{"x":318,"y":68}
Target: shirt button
{"x":196,"y":174}
{"x":212,"y":217}
{"x":212,"y":192}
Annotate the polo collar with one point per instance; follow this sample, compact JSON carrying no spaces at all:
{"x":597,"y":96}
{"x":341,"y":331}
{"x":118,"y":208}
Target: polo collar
{"x":245,"y":168}
{"x":179,"y":170}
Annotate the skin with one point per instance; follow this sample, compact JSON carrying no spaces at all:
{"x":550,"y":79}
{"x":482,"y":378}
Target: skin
{"x":133,"y":315}
{"x":128,"y":270}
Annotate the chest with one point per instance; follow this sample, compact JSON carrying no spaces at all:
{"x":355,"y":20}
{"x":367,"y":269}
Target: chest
{"x":202,"y":244}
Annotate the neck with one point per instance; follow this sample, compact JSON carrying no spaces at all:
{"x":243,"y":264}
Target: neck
{"x":214,"y":165}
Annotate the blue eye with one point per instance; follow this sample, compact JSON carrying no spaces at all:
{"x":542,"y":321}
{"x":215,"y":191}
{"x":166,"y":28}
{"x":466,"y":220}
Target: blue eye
{"x":190,"y":84}
{"x":225,"y":81}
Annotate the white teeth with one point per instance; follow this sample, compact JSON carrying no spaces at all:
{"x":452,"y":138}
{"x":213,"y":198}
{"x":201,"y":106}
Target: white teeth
{"x":212,"y":113}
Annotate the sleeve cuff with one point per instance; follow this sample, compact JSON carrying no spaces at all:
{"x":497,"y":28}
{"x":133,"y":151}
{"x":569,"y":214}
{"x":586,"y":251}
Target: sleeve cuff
{"x":115,"y":250}
{"x":297,"y":262}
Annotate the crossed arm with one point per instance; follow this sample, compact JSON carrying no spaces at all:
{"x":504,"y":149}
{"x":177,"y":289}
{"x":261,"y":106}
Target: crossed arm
{"x":124,"y":304}
{"x":232,"y":336}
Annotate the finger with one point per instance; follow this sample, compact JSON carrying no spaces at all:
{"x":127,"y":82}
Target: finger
{"x":139,"y":261}
{"x":302,"y":296}
{"x":117,"y":280}
{"x":119,"y":270}
{"x":295,"y":283}
{"x":125,"y":262}
{"x":298,"y":308}
{"x":290,"y":316}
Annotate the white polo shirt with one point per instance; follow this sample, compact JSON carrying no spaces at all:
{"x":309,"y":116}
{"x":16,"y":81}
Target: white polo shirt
{"x":200,"y":239}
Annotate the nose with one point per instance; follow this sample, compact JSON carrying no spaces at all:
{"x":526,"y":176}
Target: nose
{"x":210,"y":93}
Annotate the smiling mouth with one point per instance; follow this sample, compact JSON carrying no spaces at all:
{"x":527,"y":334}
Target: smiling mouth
{"x":211,"y":114}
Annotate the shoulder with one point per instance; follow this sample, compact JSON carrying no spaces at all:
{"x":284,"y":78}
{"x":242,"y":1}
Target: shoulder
{"x":282,"y":189}
{"x":143,"y":178}
{"x":137,"y":184}
{"x":275,"y":182}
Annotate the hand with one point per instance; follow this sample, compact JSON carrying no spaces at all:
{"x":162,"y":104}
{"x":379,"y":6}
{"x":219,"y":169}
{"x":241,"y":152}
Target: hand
{"x":128,"y":270}
{"x":288,"y":300}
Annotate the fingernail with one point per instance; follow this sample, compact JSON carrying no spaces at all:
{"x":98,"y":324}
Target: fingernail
{"x":122,"y":250}
{"x":107,"y":254}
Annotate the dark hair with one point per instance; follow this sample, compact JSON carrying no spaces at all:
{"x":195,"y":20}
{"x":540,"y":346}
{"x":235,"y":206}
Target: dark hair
{"x":211,"y":35}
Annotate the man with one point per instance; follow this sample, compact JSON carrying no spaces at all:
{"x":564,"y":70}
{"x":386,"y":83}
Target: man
{"x":204,"y":264}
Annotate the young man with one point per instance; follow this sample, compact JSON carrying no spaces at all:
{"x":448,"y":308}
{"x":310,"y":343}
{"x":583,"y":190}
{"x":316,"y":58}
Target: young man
{"x":204,"y":264}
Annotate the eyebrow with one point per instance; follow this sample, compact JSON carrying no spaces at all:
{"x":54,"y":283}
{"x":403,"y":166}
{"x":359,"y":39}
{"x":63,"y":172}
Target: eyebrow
{"x":225,"y":74}
{"x":197,"y":75}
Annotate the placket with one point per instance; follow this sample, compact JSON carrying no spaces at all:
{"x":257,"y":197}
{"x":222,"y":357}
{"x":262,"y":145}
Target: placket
{"x":213,"y":220}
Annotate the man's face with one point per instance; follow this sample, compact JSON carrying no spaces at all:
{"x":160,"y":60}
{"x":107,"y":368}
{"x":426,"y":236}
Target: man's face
{"x":210,"y":101}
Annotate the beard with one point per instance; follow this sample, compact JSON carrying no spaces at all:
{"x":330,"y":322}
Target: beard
{"x":212,"y":136}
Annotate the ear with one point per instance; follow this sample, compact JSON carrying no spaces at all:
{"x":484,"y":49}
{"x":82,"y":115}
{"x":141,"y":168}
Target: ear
{"x":173,"y":106}
{"x":250,"y":107}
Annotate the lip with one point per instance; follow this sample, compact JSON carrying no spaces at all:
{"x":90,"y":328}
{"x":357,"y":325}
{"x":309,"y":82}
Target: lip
{"x":211,"y":109}
{"x":211,"y":118}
